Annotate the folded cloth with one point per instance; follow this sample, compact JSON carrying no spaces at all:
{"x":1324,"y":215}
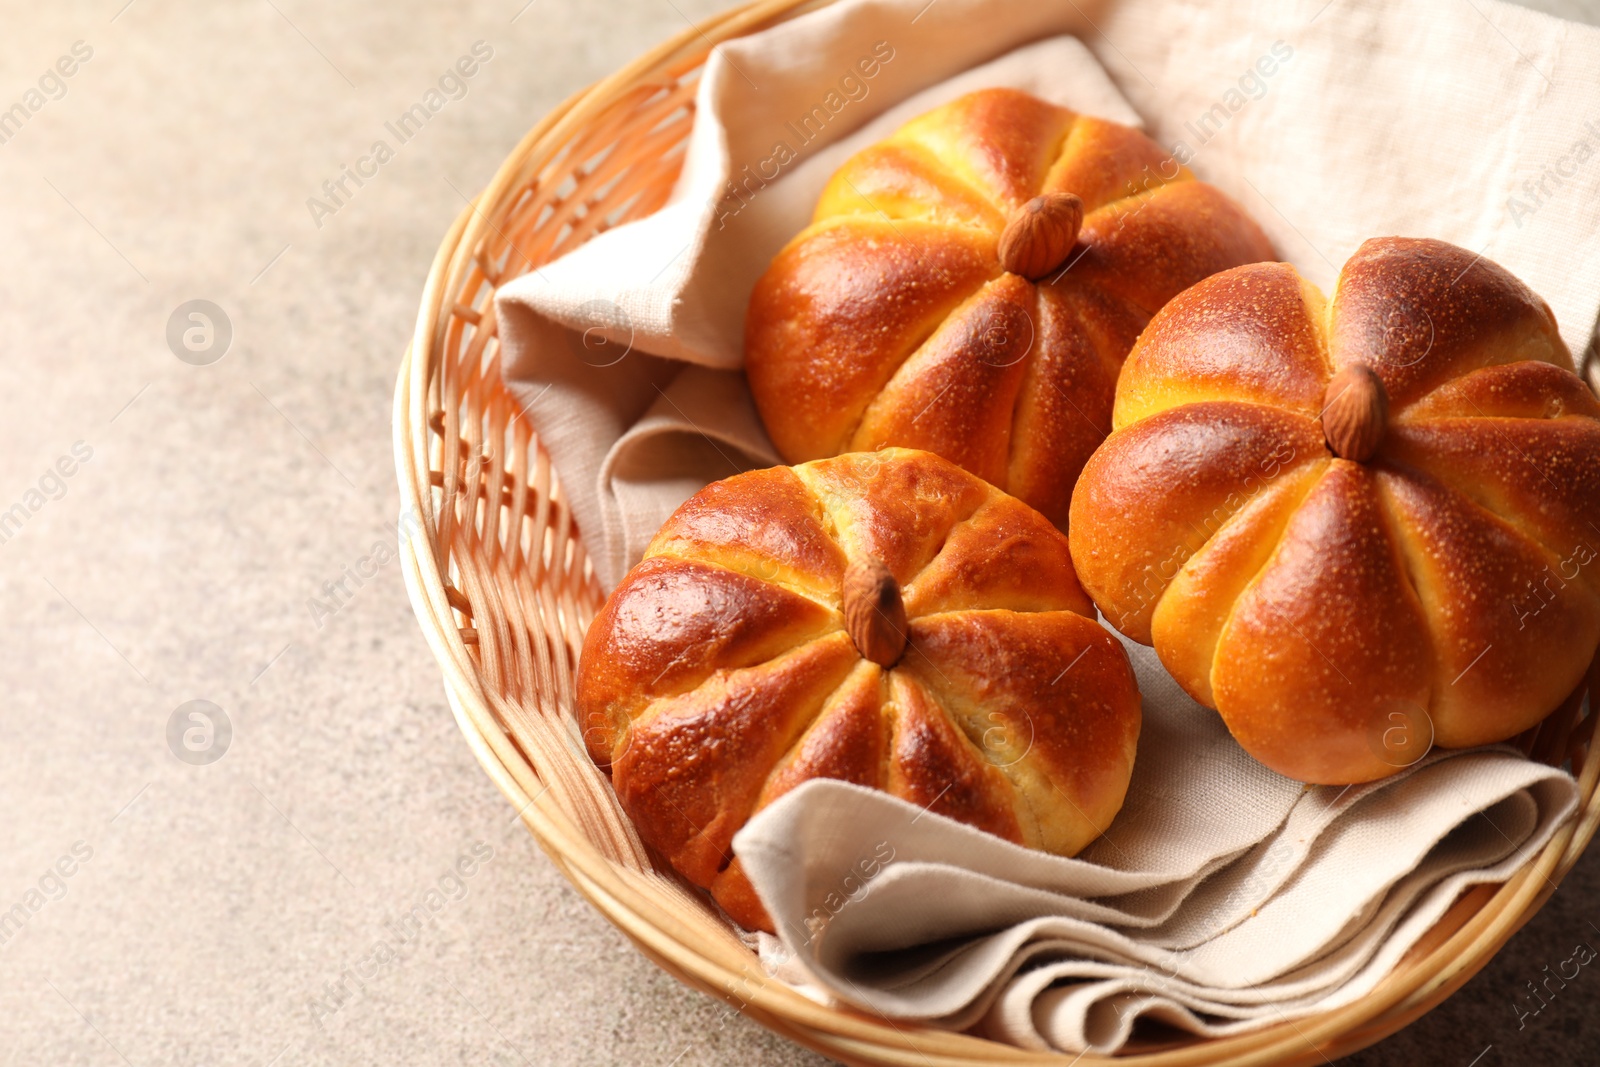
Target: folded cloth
{"x":1222,"y":898}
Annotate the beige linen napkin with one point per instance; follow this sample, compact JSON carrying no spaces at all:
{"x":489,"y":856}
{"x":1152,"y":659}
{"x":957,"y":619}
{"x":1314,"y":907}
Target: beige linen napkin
{"x":1223,"y":897}
{"x":1233,"y":899}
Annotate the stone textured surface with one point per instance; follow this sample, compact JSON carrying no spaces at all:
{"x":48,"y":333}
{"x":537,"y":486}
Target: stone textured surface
{"x":220,"y":905}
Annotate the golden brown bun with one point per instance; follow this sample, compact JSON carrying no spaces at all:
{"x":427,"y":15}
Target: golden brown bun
{"x":719,"y":675}
{"x":1324,"y":605}
{"x":890,"y":321}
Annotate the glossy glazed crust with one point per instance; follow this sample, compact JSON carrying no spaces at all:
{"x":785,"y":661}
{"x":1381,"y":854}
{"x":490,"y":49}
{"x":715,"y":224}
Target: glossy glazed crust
{"x":1451,"y":584}
{"x":889,"y":320}
{"x":718,"y":675}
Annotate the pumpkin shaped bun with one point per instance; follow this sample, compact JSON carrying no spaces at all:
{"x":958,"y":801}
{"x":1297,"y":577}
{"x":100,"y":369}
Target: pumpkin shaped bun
{"x":971,"y":285}
{"x":882,"y":618}
{"x":1353,"y":526}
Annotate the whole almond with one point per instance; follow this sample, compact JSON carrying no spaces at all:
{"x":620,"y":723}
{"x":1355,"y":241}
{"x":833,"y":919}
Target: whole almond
{"x":1355,"y":411}
{"x":874,"y":615}
{"x":1041,"y":233}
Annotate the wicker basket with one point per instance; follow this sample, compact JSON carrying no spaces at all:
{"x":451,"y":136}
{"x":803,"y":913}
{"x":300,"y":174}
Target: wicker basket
{"x":504,"y":592}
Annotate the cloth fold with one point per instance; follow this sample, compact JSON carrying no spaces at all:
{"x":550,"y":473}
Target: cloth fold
{"x":1225,"y":896}
{"x":1190,"y":908}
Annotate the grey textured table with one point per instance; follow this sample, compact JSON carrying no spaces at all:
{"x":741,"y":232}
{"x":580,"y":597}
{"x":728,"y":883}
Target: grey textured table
{"x":343,"y":885}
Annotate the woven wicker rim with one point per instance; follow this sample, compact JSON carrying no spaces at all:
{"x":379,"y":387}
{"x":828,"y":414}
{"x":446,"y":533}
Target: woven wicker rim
{"x":504,"y":591}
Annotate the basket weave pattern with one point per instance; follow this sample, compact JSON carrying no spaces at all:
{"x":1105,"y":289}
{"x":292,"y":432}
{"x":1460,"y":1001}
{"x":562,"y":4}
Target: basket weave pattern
{"x":504,"y":591}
